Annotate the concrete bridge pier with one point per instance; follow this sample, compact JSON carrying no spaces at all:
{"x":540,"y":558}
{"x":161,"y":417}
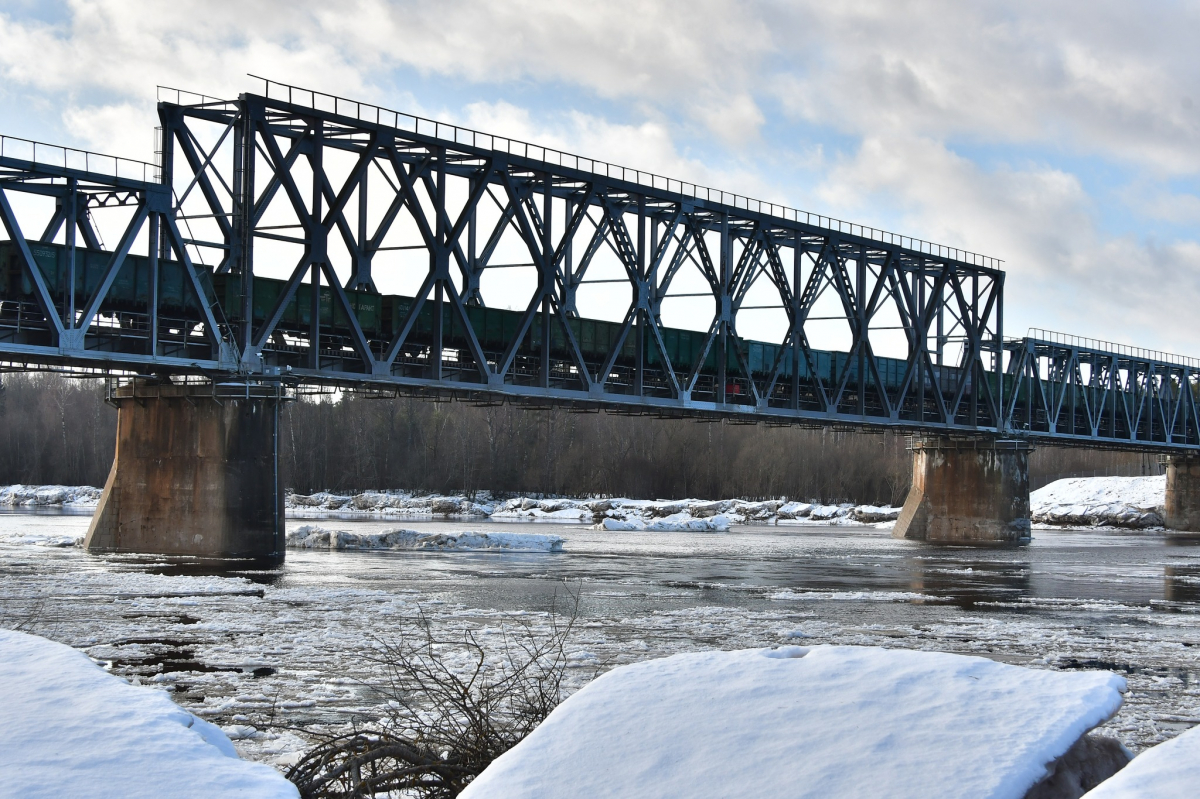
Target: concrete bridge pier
{"x":196,"y":473}
{"x":968,"y":491}
{"x":1182,"y":512}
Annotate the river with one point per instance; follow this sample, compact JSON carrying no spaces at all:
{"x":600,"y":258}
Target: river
{"x":294,"y":645}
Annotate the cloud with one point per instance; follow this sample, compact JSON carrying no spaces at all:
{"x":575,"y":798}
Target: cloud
{"x":1062,"y":270}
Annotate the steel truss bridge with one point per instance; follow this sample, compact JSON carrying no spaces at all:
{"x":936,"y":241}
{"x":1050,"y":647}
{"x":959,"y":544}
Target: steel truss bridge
{"x":255,"y":252}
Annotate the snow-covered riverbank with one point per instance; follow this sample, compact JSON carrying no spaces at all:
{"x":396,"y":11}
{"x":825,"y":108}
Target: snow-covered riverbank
{"x":1134,"y":502}
{"x":1131,"y":502}
{"x":609,"y":513}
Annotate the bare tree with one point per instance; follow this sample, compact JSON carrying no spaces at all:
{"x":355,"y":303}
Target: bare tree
{"x":454,"y":705}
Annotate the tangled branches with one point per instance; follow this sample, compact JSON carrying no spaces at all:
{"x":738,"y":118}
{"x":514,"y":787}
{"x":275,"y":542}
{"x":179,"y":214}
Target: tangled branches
{"x":454,"y":705}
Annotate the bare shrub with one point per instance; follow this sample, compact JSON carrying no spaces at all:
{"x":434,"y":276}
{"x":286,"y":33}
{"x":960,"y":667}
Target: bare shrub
{"x":454,"y":704}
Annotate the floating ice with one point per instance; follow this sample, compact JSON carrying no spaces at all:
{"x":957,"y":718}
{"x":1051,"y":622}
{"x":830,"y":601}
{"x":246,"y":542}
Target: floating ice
{"x":69,"y":729}
{"x":313,"y":537}
{"x":806,"y":722}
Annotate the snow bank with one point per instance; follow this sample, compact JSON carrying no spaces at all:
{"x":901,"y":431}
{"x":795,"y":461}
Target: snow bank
{"x":1101,"y":501}
{"x":1170,"y":770}
{"x":313,"y":537}
{"x":610,"y":514}
{"x":57,"y":496}
{"x":389,"y":503}
{"x":69,"y":729}
{"x":820,"y":722}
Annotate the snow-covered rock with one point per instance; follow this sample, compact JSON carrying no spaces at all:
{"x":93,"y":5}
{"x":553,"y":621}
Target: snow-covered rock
{"x":314,"y":537}
{"x":1170,"y":770}
{"x":821,"y":722}
{"x":873,"y":514}
{"x":50,"y":495}
{"x":1101,"y":501}
{"x":67,"y":728}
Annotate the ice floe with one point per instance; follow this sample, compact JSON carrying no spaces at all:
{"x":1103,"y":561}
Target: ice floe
{"x":67,"y":728}
{"x":49,"y":496}
{"x":1135,"y":502}
{"x":1170,"y":770}
{"x":807,"y":722}
{"x":314,"y":537}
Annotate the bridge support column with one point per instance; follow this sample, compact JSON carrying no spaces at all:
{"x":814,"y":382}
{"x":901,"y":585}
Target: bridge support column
{"x":967,"y":492}
{"x":196,"y":473}
{"x":1182,"y":512}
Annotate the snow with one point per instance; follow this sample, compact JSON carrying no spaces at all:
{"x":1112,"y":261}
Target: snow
{"x":806,"y":722}
{"x":314,"y":537}
{"x":50,"y":495}
{"x":67,"y":728}
{"x":1101,"y":501}
{"x":1170,"y":770}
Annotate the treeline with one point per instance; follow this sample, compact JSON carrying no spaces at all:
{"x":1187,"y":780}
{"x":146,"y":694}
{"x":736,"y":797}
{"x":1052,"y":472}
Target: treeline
{"x":58,"y":430}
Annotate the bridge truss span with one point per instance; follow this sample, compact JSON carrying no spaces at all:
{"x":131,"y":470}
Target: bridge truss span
{"x":656,"y":259}
{"x":302,"y":237}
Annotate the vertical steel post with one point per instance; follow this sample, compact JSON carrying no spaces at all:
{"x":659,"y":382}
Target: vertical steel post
{"x":639,"y":314}
{"x":723,"y":307}
{"x":441,"y":256}
{"x":797,"y":264}
{"x":155,"y":221}
{"x":72,"y":226}
{"x":317,"y":233}
{"x":546,"y":283}
{"x":567,"y":302}
{"x":922,"y":334}
{"x":860,"y":295}
{"x":244,"y":225}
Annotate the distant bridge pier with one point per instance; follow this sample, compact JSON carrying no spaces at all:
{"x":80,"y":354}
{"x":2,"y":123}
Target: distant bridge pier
{"x":1183,"y":493}
{"x":196,"y":473}
{"x":968,"y":491}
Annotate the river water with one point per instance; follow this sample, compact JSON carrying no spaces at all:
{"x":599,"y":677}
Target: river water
{"x":294,"y":646}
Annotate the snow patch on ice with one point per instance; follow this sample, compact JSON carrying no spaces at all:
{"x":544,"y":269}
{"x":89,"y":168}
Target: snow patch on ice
{"x":314,"y":537}
{"x":1170,"y":770}
{"x":806,"y":722}
{"x":67,"y":728}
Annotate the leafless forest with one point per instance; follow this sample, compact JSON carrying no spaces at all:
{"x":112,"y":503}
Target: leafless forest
{"x":57,"y":430}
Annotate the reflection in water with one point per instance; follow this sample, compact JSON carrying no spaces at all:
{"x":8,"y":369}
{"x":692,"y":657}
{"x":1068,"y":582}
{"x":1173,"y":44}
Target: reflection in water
{"x":257,"y":571}
{"x":965,"y":581}
{"x":1181,"y":583}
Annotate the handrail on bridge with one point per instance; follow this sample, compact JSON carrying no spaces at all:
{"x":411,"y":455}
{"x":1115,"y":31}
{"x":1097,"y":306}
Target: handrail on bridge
{"x":1083,"y":342}
{"x":56,"y":155}
{"x":367,"y":112}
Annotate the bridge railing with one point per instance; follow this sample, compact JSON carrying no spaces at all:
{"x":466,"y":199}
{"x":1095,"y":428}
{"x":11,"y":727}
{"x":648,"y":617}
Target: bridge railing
{"x":55,"y":155}
{"x":367,"y":112}
{"x":1140,"y":353}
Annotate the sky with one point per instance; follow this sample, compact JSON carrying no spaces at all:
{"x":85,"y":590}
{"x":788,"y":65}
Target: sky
{"x":1060,"y":137}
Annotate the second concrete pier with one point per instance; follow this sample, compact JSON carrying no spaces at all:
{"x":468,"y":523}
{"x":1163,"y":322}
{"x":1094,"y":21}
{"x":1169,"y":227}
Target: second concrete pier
{"x":967,"y":491}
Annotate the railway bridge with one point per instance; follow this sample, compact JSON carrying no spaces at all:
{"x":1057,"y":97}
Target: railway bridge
{"x":289,"y":238}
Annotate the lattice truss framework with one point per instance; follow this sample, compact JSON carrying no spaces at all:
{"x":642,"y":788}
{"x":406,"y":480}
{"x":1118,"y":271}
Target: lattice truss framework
{"x":64,"y":318}
{"x":345,"y":194}
{"x":1082,"y":393}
